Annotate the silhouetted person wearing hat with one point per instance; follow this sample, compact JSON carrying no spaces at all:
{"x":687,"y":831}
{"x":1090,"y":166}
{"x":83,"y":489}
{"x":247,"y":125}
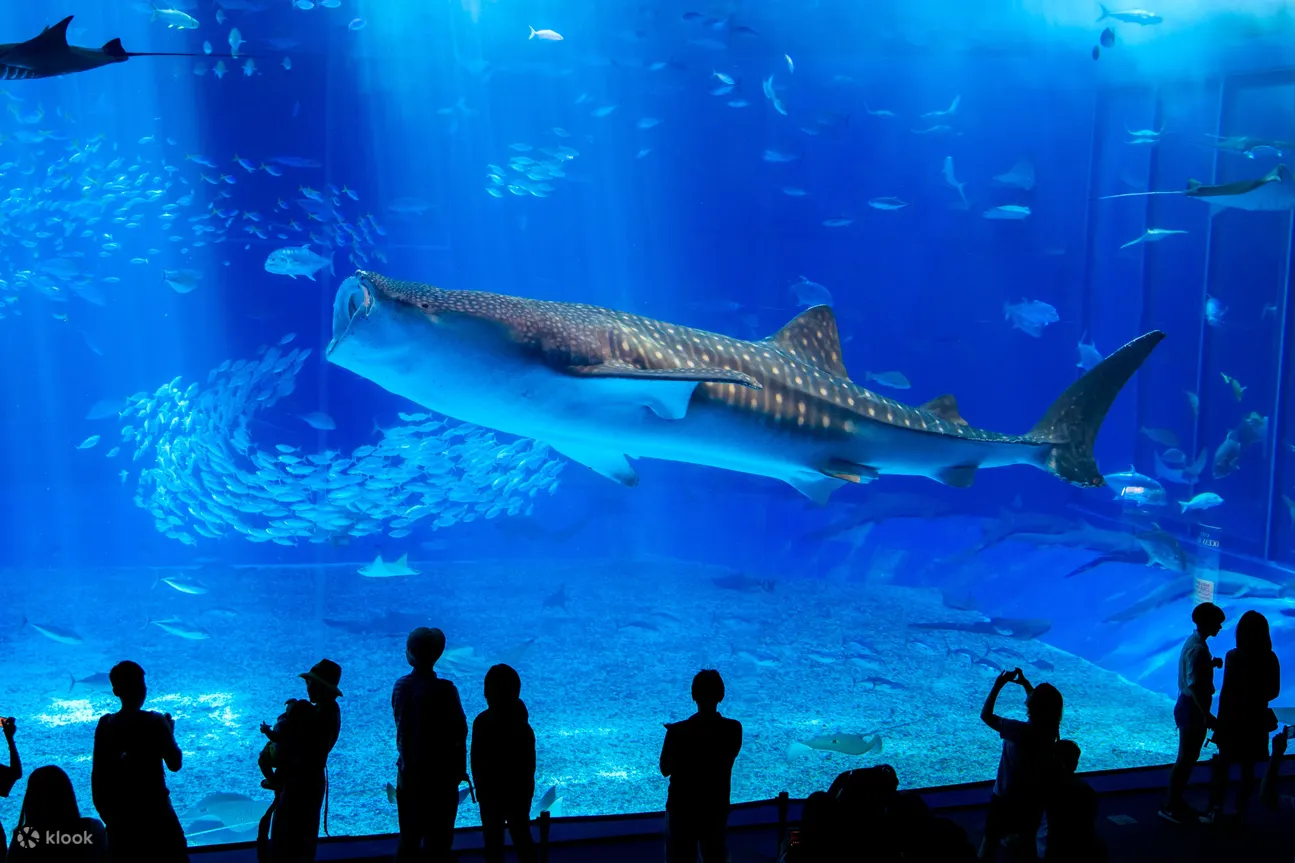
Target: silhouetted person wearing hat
{"x":698,"y":756}
{"x":503,"y":766}
{"x":302,"y":738}
{"x":127,"y":780}
{"x":1192,"y":710}
{"x":432,"y":741}
{"x":11,"y":774}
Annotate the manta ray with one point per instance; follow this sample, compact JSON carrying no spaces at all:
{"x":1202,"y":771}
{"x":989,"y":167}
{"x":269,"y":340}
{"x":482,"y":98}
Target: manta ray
{"x":1273,"y":192}
{"x":601,"y":386}
{"x":47,"y":55}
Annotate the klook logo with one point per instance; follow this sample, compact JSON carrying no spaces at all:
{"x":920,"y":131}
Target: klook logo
{"x":27,"y":837}
{"x":30,"y":837}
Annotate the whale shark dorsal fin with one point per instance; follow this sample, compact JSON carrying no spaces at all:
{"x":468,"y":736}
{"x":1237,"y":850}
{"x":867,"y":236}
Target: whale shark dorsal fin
{"x":55,"y":34}
{"x":812,"y":337}
{"x":946,"y":408}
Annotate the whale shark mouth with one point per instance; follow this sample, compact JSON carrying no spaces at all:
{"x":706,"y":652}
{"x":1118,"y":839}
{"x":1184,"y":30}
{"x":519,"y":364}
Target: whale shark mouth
{"x":354,"y":297}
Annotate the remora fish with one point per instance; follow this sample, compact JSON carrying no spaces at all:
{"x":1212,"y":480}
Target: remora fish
{"x":598,"y":384}
{"x":1273,"y":192}
{"x":47,"y":55}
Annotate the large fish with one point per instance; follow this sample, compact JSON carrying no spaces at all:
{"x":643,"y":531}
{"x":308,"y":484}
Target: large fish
{"x":1272,"y":193}
{"x":599,"y":385}
{"x":48,"y":55}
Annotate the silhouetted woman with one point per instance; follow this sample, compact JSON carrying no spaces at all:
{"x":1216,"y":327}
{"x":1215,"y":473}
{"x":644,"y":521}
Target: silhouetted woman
{"x":11,"y":774}
{"x":49,"y":810}
{"x":1251,"y":679}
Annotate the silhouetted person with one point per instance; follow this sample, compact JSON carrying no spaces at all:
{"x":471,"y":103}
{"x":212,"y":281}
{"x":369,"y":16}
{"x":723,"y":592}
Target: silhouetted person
{"x":10,"y":774}
{"x":49,"y":806}
{"x":1069,"y":830}
{"x":698,"y":756}
{"x":127,"y":779}
{"x":302,"y":738}
{"x":1192,"y":710}
{"x":503,"y":766}
{"x":432,"y":741}
{"x":1251,"y":679}
{"x":1026,"y":766}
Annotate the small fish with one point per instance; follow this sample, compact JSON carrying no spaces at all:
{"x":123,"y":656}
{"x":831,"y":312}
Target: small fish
{"x":724,"y":79}
{"x":1042,"y":664}
{"x":1204,"y":500}
{"x":1237,"y":389}
{"x":1151,"y":235}
{"x":1007,"y":212}
{"x":177,"y":627}
{"x":59,"y":634}
{"x":647,"y":122}
{"x":1107,"y":38}
{"x":356,"y":24}
{"x":174,"y":18}
{"x":319,"y":420}
{"x":881,"y":112}
{"x":191,"y":586}
{"x":894,"y":380}
{"x":1214,"y":311}
{"x":235,"y":42}
{"x":887,"y":204}
{"x":1164,"y":437}
{"x":89,"y":442}
{"x":182,"y":281}
{"x":1193,"y":401}
{"x":791,"y":67}
{"x":1030,"y":316}
{"x":546,"y":35}
{"x":1089,"y":355}
{"x":1131,"y":16}
{"x":778,"y":157}
{"x":953,"y":181}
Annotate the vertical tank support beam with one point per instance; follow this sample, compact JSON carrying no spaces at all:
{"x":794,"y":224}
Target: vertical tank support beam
{"x":1098,"y":129}
{"x":1275,"y":424}
{"x":1205,"y":282}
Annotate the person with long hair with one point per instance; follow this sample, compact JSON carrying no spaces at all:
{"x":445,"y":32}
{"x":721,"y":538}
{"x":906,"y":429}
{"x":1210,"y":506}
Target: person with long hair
{"x":50,"y":827}
{"x":11,"y":774}
{"x":1251,"y":679}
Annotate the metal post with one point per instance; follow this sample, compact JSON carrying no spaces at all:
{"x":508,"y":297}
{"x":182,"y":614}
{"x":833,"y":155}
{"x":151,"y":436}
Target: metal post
{"x":784,"y":801}
{"x":545,"y":824}
{"x":1273,"y":440}
{"x":1205,"y":283}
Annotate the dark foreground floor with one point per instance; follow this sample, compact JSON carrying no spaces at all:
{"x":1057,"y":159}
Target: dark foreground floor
{"x":1127,"y":821}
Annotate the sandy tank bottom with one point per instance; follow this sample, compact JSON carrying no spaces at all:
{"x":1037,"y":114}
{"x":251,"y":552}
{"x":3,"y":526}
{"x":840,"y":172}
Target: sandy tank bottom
{"x":606,"y":651}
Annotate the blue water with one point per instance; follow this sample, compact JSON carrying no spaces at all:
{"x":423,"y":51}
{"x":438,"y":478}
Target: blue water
{"x":649,"y":188}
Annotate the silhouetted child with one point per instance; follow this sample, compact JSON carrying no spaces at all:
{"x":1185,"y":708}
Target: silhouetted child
{"x":297,"y":766}
{"x":49,"y":806}
{"x":503,"y":766}
{"x":11,"y":774}
{"x":1026,"y":765}
{"x":1069,"y":830}
{"x":1251,"y":679}
{"x":127,"y":779}
{"x":432,"y":739}
{"x":698,"y":756}
{"x":1192,"y":710}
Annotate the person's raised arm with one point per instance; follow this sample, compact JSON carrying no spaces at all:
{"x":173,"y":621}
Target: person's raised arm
{"x":987,"y":715}
{"x":15,"y":762}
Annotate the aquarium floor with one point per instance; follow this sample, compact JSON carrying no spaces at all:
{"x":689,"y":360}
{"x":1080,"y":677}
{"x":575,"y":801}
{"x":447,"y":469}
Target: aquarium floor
{"x":599,"y":676}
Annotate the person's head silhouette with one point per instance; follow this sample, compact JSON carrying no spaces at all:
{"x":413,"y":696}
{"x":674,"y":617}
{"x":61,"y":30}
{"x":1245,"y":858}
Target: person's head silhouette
{"x":1043,"y":706}
{"x":1253,"y":635}
{"x":423,"y":647}
{"x":1067,"y":752}
{"x":707,"y":689}
{"x":503,"y":686}
{"x":127,"y":679}
{"x":50,"y":800}
{"x":1208,"y":618}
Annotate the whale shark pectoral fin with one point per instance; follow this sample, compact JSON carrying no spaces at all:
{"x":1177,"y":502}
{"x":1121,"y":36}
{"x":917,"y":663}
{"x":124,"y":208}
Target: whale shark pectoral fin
{"x":818,"y":487}
{"x":850,"y":472}
{"x":666,"y":392}
{"x":957,"y":477}
{"x":609,"y":463}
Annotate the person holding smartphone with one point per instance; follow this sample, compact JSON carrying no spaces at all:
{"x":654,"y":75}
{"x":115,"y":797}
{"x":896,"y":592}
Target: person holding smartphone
{"x":1026,"y":765}
{"x":8,"y":775}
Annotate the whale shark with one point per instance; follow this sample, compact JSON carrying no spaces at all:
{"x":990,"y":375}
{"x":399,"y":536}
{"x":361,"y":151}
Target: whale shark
{"x":48,"y":55}
{"x":601,"y":386}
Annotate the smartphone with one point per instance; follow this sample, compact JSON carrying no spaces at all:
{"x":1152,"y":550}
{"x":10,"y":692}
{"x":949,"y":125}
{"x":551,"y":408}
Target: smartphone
{"x":1289,"y":731}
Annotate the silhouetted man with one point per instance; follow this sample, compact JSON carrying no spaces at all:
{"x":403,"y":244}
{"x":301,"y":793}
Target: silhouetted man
{"x":698,"y":756}
{"x":432,"y":739}
{"x":127,"y":780}
{"x":11,"y":774}
{"x":1192,"y":711}
{"x":503,"y":766}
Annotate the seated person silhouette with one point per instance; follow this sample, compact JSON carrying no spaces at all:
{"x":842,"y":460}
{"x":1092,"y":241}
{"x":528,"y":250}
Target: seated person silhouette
{"x":432,"y":742}
{"x":50,"y":808}
{"x":503,"y":766}
{"x":1069,"y":829}
{"x":698,"y":756}
{"x":127,"y":780}
{"x":11,"y":774}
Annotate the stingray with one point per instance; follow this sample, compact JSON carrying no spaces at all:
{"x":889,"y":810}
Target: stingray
{"x":1273,"y":192}
{"x":47,"y":55}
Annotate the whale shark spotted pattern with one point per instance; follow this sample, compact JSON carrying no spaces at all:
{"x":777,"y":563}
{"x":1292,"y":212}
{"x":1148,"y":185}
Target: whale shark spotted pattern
{"x":599,"y":385}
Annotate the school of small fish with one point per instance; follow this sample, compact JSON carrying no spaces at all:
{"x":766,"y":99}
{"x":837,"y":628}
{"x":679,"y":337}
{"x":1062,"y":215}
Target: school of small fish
{"x":203,"y":475}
